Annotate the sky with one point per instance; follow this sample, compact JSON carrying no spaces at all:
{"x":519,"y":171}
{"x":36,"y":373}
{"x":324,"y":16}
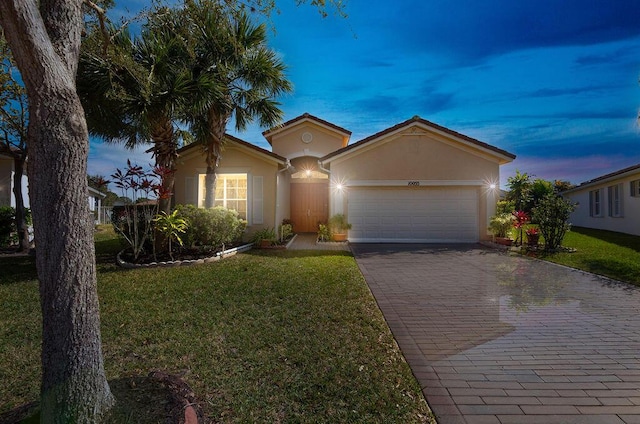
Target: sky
{"x":555,"y":82}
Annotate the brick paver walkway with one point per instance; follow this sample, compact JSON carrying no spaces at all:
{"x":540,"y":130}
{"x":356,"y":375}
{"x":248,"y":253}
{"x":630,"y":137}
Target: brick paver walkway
{"x":494,"y":338}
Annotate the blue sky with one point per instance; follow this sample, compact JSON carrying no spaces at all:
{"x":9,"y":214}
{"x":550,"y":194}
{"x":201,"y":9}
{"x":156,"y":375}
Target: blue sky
{"x":553,"y":81}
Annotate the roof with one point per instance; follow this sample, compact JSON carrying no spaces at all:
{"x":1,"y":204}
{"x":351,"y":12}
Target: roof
{"x":607,"y":177}
{"x":242,"y":143}
{"x":96,"y":193}
{"x":268,"y":134}
{"x":419,"y":120}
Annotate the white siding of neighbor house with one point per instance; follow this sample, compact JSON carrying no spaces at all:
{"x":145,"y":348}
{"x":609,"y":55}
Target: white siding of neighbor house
{"x":628,"y":223}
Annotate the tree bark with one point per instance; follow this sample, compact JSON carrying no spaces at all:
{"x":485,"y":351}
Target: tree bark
{"x":46,"y":45}
{"x":213,"y":150}
{"x":165,"y":151}
{"x":21,"y":218}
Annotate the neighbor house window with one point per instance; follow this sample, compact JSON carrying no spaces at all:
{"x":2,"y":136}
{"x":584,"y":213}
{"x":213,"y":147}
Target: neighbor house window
{"x":231,"y":192}
{"x":614,"y":194}
{"x":595,"y":203}
{"x":635,"y":188}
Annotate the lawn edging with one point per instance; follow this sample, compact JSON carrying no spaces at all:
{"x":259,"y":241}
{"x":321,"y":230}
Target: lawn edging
{"x":218,"y":256}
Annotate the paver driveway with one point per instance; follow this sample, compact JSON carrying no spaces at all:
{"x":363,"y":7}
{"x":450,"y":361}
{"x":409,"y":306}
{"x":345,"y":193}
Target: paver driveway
{"x":494,"y":338}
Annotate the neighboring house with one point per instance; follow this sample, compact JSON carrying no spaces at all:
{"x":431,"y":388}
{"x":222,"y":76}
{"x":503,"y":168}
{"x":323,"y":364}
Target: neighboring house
{"x":6,"y":183}
{"x":610,"y":202}
{"x":413,"y":182}
{"x":6,"y":188}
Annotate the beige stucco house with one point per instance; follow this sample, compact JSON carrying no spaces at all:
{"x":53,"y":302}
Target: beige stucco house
{"x":609,"y":202}
{"x":413,"y":182}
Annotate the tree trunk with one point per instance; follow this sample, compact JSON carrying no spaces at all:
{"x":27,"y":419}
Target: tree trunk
{"x":21,"y":218}
{"x":213,"y":150}
{"x":46,"y":45}
{"x":165,"y":151}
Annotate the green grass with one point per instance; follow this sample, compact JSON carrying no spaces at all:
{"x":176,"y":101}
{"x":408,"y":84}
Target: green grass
{"x":615,"y":255}
{"x":278,"y":336}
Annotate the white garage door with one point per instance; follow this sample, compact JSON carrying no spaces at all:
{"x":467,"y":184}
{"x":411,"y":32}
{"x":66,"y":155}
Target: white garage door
{"x":418,"y":215}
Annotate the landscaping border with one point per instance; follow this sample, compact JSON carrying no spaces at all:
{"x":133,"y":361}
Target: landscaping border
{"x":220,"y":255}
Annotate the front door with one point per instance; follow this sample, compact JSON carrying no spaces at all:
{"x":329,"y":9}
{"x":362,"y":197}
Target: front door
{"x":309,"y":205}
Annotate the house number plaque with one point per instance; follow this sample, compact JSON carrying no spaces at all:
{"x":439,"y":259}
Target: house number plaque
{"x":413,"y":183}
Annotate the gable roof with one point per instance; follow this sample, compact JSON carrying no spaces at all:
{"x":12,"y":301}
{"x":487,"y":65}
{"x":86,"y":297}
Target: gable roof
{"x":242,"y":143}
{"x":268,"y":134}
{"x":416,"y":120}
{"x":607,"y":177}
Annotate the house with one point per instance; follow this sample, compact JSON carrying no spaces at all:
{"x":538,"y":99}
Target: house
{"x":413,"y":182}
{"x":609,"y":202}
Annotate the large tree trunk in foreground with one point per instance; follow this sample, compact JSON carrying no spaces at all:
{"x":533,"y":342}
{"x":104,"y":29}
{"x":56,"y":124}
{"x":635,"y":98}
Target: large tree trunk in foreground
{"x":46,"y":47}
{"x":21,"y":218}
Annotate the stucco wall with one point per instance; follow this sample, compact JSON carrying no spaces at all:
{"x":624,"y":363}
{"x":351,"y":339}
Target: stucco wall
{"x":629,"y":223}
{"x":289,"y":143}
{"x":419,"y":158}
{"x":234,"y":160}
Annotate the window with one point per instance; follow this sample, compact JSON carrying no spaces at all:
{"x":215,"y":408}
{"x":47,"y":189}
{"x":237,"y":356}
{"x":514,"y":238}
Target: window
{"x":231,"y":192}
{"x":614,"y":194}
{"x":595,"y":205}
{"x":635,"y":188}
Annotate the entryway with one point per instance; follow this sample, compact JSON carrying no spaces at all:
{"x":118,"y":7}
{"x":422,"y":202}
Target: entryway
{"x":309,"y":205}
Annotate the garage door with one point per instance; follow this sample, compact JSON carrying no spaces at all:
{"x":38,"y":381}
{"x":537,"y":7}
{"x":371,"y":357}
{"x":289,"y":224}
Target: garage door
{"x":418,"y":215}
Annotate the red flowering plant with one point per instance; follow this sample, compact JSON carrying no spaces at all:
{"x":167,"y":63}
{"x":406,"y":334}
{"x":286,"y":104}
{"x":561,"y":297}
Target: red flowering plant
{"x":133,"y":222}
{"x":521,"y":219}
{"x":533,"y":231}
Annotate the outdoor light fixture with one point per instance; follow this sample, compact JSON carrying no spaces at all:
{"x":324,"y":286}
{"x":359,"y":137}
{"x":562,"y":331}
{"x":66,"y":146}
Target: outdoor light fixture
{"x":492,"y":186}
{"x":308,"y":172}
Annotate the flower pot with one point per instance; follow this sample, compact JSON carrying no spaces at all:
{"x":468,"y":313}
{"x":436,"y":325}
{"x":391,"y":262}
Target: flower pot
{"x":505,"y":241}
{"x":532,"y":239}
{"x":264,"y":243}
{"x":339,"y":237}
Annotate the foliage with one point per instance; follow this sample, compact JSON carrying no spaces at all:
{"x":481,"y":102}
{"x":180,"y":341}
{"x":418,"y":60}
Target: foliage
{"x":215,"y":227}
{"x":171,"y":226}
{"x":264,"y":234}
{"x":7,"y":224}
{"x":504,"y":206}
{"x":134,"y":222}
{"x":521,"y":218}
{"x":286,"y":231}
{"x":560,"y":186}
{"x":324,"y":233}
{"x":552,"y":215}
{"x":338,"y":224}
{"x":532,"y":231}
{"x":500,"y":224}
{"x":519,"y":190}
{"x":539,"y":190}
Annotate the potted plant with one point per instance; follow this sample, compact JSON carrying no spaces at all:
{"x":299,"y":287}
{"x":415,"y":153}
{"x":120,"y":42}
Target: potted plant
{"x":499,"y":225}
{"x":533,"y":236}
{"x":264,"y":238}
{"x":339,"y":226}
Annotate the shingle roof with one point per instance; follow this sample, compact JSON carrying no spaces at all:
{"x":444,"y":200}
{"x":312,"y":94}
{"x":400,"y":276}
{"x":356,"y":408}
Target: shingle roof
{"x":417,"y":119}
{"x":605,"y":177}
{"x":302,"y":117}
{"x":242,"y":143}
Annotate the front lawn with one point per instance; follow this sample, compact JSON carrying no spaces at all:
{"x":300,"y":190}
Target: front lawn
{"x":278,"y":336}
{"x":615,"y":255}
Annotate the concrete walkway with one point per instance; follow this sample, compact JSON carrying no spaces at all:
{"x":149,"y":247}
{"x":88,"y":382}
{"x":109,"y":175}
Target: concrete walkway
{"x":494,"y":338}
{"x":307,"y":241}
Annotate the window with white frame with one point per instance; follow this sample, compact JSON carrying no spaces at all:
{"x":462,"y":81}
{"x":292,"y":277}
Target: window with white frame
{"x":231,"y":192}
{"x":595,"y":203}
{"x":614,"y":195}
{"x":635,"y":188}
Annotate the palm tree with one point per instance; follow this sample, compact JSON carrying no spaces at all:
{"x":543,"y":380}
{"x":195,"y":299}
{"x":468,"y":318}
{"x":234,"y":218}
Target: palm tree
{"x":232,"y":51}
{"x":139,"y":91}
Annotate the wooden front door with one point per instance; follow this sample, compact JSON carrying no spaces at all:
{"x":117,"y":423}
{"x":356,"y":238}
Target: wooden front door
{"x":309,"y":206}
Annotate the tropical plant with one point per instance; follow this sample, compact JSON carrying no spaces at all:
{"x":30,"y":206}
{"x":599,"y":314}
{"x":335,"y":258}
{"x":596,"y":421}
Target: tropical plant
{"x":338,"y":224}
{"x":552,"y":215}
{"x":232,"y":52}
{"x":264,"y":234}
{"x":171,"y":226}
{"x":520,"y":219}
{"x":286,"y":232}
{"x":324,"y":233}
{"x":7,"y":224}
{"x":519,"y":190}
{"x":500,"y":224}
{"x":134,"y":222}
{"x":139,"y":89}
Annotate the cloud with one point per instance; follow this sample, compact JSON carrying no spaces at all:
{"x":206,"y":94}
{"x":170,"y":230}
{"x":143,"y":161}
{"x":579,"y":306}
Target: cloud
{"x":104,"y":158}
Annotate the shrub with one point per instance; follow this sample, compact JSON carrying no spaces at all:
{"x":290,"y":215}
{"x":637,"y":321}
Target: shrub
{"x":338,"y":223}
{"x":552,"y":215}
{"x":215,"y":227}
{"x":264,"y":234}
{"x":7,"y":224}
{"x":500,"y":224}
{"x":324,"y":234}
